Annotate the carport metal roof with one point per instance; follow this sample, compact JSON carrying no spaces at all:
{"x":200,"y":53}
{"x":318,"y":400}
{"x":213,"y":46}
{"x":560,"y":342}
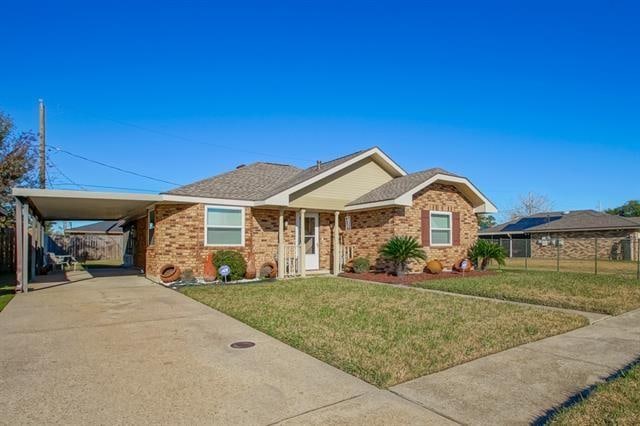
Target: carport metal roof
{"x":84,"y":205}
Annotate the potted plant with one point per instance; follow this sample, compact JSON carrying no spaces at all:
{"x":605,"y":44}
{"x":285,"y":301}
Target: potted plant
{"x":483,"y":251}
{"x":400,"y":250}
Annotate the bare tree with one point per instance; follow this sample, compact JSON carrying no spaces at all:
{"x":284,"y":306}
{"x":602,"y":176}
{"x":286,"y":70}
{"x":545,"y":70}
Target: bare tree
{"x":531,"y":204}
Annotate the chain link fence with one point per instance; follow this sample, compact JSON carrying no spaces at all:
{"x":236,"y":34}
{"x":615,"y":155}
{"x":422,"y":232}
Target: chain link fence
{"x":620,"y":256}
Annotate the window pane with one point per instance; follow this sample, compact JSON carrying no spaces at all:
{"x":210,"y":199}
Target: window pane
{"x":224,"y":217}
{"x":440,"y":237}
{"x":310,"y":245}
{"x":224,"y":236}
{"x":440,"y":221}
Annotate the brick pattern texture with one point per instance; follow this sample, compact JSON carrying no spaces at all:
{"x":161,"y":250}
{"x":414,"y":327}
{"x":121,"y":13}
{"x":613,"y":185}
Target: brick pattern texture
{"x":179,"y":232}
{"x":612,"y":245}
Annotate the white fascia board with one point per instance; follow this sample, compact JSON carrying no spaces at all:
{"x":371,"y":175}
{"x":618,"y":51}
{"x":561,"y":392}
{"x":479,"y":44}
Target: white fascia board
{"x":376,"y":205}
{"x":282,"y":198}
{"x":65,"y":193}
{"x":486,"y":206}
{"x":204,"y":200}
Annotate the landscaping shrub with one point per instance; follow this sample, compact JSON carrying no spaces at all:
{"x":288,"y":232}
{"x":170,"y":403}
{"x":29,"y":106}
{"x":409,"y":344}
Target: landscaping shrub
{"x":361,"y":265}
{"x":400,"y":250}
{"x":233,"y":260}
{"x":483,"y":251}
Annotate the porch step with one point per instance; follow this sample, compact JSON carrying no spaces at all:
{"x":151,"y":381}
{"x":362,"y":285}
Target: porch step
{"x":318,"y":272}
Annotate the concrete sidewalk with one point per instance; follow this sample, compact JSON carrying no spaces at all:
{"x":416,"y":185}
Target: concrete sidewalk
{"x":118,"y":350}
{"x":519,"y":385}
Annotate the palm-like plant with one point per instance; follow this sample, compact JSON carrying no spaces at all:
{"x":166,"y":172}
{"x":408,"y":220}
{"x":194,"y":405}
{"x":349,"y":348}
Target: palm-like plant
{"x":483,"y":251}
{"x":401,"y":250}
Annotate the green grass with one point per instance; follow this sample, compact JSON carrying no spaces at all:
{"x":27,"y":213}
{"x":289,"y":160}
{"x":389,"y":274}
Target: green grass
{"x":613,"y":403}
{"x":605,"y":266}
{"x":97,"y":264}
{"x":608,"y":294}
{"x":382,"y":334}
{"x":7,"y":288}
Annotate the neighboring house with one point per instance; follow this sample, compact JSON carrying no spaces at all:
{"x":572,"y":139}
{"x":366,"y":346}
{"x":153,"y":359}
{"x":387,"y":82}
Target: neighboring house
{"x":106,"y":227}
{"x":96,"y":241}
{"x":575,"y":233}
{"x":265,"y":210}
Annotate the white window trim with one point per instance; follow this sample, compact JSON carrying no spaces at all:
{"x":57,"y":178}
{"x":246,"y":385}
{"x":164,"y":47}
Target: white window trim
{"x":206,"y":225}
{"x":149,"y":211}
{"x":432,"y":228}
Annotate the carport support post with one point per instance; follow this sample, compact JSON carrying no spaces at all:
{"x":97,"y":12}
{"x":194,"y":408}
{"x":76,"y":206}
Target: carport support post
{"x":303,"y":252}
{"x":281,"y":244}
{"x":22,"y":240}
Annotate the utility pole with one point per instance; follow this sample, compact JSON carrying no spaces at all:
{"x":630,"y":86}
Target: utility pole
{"x":43,"y":164}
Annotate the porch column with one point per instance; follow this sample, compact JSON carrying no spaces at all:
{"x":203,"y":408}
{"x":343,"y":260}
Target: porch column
{"x":22,"y":249}
{"x":34,"y":242}
{"x":281,"y":244}
{"x":336,"y":243}
{"x":301,"y":231}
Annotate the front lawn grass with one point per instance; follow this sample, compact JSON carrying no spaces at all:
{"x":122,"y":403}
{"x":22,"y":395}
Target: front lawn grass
{"x":382,"y":334}
{"x":7,"y":288}
{"x":607,"y":294}
{"x":613,"y":403}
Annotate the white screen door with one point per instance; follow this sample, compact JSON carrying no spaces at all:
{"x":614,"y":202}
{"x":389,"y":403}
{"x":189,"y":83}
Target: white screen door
{"x":311,"y":234}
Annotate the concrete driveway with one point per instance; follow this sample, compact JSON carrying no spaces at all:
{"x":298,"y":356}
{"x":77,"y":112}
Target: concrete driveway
{"x":124,"y":350}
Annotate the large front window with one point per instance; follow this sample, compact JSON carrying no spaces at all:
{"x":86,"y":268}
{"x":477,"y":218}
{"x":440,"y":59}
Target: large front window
{"x":224,"y":226}
{"x":440,"y":228}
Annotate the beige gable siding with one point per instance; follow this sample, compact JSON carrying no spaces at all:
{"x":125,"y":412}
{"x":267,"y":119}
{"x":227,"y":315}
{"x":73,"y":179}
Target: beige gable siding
{"x":345,"y":186}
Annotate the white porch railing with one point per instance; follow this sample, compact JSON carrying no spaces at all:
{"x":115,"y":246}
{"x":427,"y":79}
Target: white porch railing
{"x":346,"y":254}
{"x":291,"y":260}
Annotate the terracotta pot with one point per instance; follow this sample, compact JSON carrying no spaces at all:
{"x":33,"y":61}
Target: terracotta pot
{"x":433,"y":266}
{"x":251,"y":270}
{"x":458,"y":265}
{"x":169,"y":273}
{"x":209,"y":268}
{"x":268,"y":270}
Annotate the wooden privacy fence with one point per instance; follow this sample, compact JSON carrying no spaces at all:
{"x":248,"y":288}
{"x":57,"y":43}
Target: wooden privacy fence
{"x":87,"y":246}
{"x":7,"y":249}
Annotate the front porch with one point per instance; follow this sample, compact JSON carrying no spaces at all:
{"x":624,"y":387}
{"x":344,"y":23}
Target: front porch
{"x":317,"y":247}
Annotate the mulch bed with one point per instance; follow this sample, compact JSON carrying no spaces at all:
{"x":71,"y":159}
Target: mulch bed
{"x":384,"y":277}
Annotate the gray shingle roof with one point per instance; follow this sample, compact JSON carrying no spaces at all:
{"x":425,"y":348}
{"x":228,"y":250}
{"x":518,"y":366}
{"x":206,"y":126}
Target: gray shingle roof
{"x":312,"y":171}
{"x":398,"y":186}
{"x":104,"y":227}
{"x":256,"y":181}
{"x":563,"y":221}
{"x":253,"y":182}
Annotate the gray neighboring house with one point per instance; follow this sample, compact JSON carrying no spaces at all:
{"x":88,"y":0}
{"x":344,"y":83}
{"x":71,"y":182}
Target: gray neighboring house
{"x":106,"y":227}
{"x":577,"y":234}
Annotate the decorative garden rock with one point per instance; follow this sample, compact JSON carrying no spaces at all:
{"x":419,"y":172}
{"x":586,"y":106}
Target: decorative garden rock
{"x":434,"y":266}
{"x":209,"y":268}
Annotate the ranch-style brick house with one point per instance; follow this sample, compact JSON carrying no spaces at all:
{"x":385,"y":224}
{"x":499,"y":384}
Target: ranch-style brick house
{"x":272,"y":212}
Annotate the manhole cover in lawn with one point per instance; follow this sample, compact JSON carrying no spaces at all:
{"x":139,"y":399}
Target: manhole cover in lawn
{"x":242,"y":345}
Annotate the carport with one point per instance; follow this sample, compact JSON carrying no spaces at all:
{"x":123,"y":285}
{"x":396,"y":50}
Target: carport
{"x":35,"y":206}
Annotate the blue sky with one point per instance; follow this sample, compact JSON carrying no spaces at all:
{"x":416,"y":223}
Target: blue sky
{"x":519,"y":96}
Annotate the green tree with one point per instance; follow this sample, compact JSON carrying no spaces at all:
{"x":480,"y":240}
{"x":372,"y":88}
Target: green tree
{"x":401,"y":250}
{"x":17,"y":162}
{"x":629,"y":209}
{"x":486,"y":221}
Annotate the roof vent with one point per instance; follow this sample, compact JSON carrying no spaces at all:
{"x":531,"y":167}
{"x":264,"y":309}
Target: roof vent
{"x":318,"y":163}
{"x":240,"y":166}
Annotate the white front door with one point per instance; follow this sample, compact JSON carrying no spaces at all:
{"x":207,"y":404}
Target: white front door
{"x":311,"y":236}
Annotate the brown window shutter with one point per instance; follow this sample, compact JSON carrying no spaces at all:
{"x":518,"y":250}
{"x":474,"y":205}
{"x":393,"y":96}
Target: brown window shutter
{"x":455,"y":217}
{"x":426,"y":229}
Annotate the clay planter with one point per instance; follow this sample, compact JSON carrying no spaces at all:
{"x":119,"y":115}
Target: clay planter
{"x":458,"y":265}
{"x":433,"y":267}
{"x":251,"y":270}
{"x":210,"y":272}
{"x":169,"y":273}
{"x":268,"y":270}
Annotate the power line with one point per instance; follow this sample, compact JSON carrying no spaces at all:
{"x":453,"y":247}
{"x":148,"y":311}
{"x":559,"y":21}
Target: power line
{"x":58,"y":149}
{"x":186,"y":139}
{"x":65,"y":176}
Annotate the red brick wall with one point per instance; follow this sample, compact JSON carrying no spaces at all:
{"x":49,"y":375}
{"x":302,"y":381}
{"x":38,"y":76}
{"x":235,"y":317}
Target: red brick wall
{"x":372,"y":228}
{"x":140,"y":244}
